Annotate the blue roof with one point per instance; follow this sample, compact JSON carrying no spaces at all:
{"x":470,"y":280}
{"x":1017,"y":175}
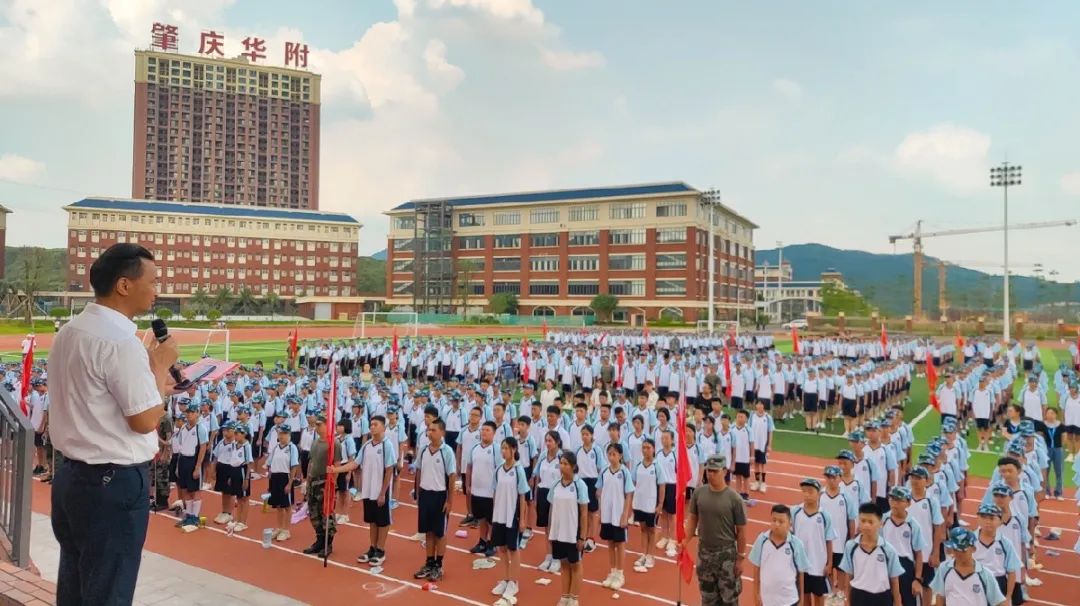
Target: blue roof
{"x":561,"y":195}
{"x":220,"y":210}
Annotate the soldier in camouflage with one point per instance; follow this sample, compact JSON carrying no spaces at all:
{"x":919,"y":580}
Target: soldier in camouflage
{"x":717,"y":517}
{"x":325,"y":528}
{"x":160,"y":468}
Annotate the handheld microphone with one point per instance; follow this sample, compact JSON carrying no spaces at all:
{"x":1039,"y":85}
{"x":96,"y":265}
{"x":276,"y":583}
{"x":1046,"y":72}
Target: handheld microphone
{"x":161,"y":332}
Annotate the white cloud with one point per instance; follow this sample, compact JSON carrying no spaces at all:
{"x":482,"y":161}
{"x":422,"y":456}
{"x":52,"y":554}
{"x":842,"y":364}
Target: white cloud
{"x":569,"y":60}
{"x":522,"y":10}
{"x":446,"y":73}
{"x":953,"y":156}
{"x":405,"y":8}
{"x":788,"y":89}
{"x":20,"y":169}
{"x":1070,"y":183}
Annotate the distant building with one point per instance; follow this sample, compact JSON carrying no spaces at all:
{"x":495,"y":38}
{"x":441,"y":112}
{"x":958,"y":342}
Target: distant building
{"x":772,"y":273}
{"x":556,"y":250}
{"x":789,"y":299}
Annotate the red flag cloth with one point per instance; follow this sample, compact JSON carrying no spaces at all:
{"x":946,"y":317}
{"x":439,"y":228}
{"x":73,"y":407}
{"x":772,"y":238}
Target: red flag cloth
{"x":294,"y":338}
{"x":931,"y":380}
{"x":727,"y":370}
{"x":525,"y":360}
{"x":647,"y":335}
{"x":682,"y":480}
{"x":795,"y":340}
{"x":884,"y":339}
{"x":394,"y":352}
{"x":544,"y":326}
{"x":619,"y":366}
{"x":959,"y":341}
{"x":331,"y":421}
{"x":27,"y":370}
{"x":603,"y":337}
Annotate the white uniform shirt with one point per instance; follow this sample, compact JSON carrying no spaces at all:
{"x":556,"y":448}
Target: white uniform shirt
{"x":814,"y":530}
{"x":509,"y":485}
{"x":615,"y":486}
{"x":435,"y":467}
{"x":843,"y":509}
{"x":480,"y":463}
{"x":373,"y":459}
{"x":565,"y":515}
{"x":779,"y":567}
{"x":106,"y":378}
{"x":871,"y":571}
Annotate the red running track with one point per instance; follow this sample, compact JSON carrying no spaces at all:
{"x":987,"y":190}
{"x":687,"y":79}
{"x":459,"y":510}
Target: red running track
{"x":242,"y":557}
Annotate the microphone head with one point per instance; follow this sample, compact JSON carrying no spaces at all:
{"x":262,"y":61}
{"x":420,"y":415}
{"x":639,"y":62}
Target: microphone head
{"x":160,"y":330}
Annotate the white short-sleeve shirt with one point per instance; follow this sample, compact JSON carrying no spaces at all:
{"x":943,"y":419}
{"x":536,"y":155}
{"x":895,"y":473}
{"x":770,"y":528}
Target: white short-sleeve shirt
{"x":103,"y":375}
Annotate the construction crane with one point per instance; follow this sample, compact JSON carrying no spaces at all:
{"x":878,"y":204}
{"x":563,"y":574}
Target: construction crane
{"x":917,"y":237}
{"x":943,"y":301}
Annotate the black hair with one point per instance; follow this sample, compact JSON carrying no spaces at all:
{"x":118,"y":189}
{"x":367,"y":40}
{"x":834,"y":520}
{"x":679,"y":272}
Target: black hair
{"x":664,"y":411}
{"x":783,"y":510}
{"x":118,"y":261}
{"x":616,"y":447}
{"x":490,"y":424}
{"x":588,"y":427}
{"x":345,"y":424}
{"x":378,"y":418}
{"x":648,"y":441}
{"x":497,"y":404}
{"x":1009,"y":461}
{"x":524,"y":419}
{"x":431,"y":410}
{"x":553,"y":410}
{"x":581,"y":405}
{"x":570,"y":458}
{"x":742,"y":412}
{"x":870,"y":509}
{"x":555,"y":436}
{"x":512,"y":443}
{"x":439,"y":423}
{"x":614,"y":425}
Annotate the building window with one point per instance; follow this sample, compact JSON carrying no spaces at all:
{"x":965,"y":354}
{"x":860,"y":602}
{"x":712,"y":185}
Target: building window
{"x":671,"y":287}
{"x":623,"y":262}
{"x":584,"y":238}
{"x":476,"y":288}
{"x":544,"y":264}
{"x":671,"y":209}
{"x":544,"y":215}
{"x":544,"y":288}
{"x":513,"y":288}
{"x":403,"y":265}
{"x":631,"y":288}
{"x":671,"y":260}
{"x":470,"y":242}
{"x":510,"y":241}
{"x":506,"y":264}
{"x":403,"y":223}
{"x":626,"y":236}
{"x":542,"y":240}
{"x":634,"y":210}
{"x":80,"y":269}
{"x":582,"y":288}
{"x":403,"y":244}
{"x":403,"y":288}
{"x":671,"y":234}
{"x":584,"y":213}
{"x":470,"y":220}
{"x":508,"y":218}
{"x":584,"y":263}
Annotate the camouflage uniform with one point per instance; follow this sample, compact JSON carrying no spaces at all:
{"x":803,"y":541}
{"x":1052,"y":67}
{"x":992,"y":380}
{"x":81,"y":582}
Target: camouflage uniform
{"x":316,"y":488}
{"x":161,"y":462}
{"x":719,"y":584}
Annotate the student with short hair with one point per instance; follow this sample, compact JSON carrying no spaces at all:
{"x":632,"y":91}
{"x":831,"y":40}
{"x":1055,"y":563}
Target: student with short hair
{"x":962,"y":579}
{"x":376,"y":461}
{"x":843,"y":510}
{"x":283,"y":465}
{"x":508,"y":520}
{"x":814,"y":528}
{"x":761,"y":426}
{"x":569,"y":499}
{"x":780,"y":562}
{"x":616,"y":494}
{"x":905,"y":535}
{"x":871,"y":564}
{"x":436,"y":474}
{"x":480,"y":463}
{"x":192,"y":443}
{"x":997,"y":554}
{"x":742,"y":445}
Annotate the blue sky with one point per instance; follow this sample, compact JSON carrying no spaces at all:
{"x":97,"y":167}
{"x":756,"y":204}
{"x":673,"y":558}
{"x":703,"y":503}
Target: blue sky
{"x":839,"y":123}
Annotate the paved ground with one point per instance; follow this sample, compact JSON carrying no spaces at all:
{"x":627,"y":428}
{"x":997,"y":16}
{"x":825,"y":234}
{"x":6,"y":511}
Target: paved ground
{"x":162,"y":581}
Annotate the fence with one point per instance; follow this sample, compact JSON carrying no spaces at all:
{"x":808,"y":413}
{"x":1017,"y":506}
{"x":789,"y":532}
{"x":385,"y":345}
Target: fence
{"x":500,"y":319}
{"x":16,"y":468}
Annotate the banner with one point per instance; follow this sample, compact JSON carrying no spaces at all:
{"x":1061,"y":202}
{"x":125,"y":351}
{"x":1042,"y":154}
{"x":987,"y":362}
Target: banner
{"x":727,"y":371}
{"x":27,"y":370}
{"x":931,"y":381}
{"x":525,"y":360}
{"x":795,"y":340}
{"x":394,"y":352}
{"x":619,"y":365}
{"x":682,"y":480}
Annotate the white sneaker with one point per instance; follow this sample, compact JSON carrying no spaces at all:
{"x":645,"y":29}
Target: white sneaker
{"x":341,"y":518}
{"x":284,"y":535}
{"x":661,"y":543}
{"x":618,"y":581}
{"x":240,"y":527}
{"x":545,"y":566}
{"x":640,"y":562}
{"x":499,"y":588}
{"x":761,"y":487}
{"x":556,"y":566}
{"x":672,"y":549}
{"x":357,"y":498}
{"x":1033,"y":582}
{"x":511,"y":590}
{"x":753,"y":485}
{"x":609,"y":580}
{"x":222,"y":518}
{"x":650,"y":561}
{"x":1059,"y":498}
{"x":1069,"y":459}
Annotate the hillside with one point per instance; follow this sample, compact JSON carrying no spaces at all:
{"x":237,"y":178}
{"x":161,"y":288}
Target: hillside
{"x":886,"y":280}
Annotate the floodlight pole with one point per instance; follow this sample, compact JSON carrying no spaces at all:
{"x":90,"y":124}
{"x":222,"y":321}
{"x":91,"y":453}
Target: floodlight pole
{"x":1005,"y":176}
{"x":710,"y":198}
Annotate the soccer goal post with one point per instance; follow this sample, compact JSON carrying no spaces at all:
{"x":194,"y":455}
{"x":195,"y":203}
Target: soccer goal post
{"x":198,"y":342}
{"x":409,"y":320}
{"x":720,"y":327}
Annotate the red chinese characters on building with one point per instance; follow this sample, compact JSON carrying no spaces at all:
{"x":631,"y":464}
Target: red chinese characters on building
{"x":296,"y":54}
{"x":255,"y":48}
{"x":212,"y":43}
{"x":164,"y":36}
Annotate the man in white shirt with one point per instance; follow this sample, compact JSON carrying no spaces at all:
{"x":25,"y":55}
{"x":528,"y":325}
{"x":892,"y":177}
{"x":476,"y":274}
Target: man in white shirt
{"x":107,"y":397}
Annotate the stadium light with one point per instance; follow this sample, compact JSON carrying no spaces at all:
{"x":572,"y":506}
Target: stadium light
{"x":1006,"y":176}
{"x":710,"y":198}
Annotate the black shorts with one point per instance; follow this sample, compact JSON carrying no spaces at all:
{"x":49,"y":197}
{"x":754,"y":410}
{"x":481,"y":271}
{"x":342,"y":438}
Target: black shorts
{"x":1003,"y":585}
{"x":590,"y":488}
{"x":543,"y":508}
{"x":430,"y":518}
{"x":848,"y":408}
{"x":280,"y":493}
{"x":859,"y":597}
{"x":669,"y":498}
{"x":451,"y":440}
{"x":767,"y":403}
{"x":185,"y":467}
{"x":810,"y":402}
{"x":742,"y":470}
{"x":737,"y":402}
{"x":837,"y":558}
{"x":760,"y":457}
{"x":173,"y":462}
{"x":239,"y":482}
{"x":565,"y":551}
{"x":376,"y":514}
{"x":928,"y":573}
{"x":482,"y":507}
{"x":612,"y":533}
{"x":341,"y":482}
{"x":982,"y":423}
{"x":777,"y":400}
{"x":505,"y":536}
{"x":647,"y":519}
{"x":39,"y":439}
{"x":815,"y":585}
{"x":221,"y":477}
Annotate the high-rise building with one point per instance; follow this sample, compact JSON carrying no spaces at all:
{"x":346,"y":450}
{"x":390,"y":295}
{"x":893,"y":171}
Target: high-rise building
{"x":225,"y":131}
{"x":555,"y":250}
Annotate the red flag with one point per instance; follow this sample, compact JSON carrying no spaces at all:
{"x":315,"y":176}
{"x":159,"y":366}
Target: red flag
{"x":1078,"y":348}
{"x":619,"y":366}
{"x":931,"y":380}
{"x":331,"y":421}
{"x":959,"y":340}
{"x":294,"y":338}
{"x":544,"y":327}
{"x":525,"y":360}
{"x":647,"y":334}
{"x":884,"y":339}
{"x":682,"y":480}
{"x":603,"y":337}
{"x":795,"y":340}
{"x":727,"y":370}
{"x":394,"y":352}
{"x":27,"y":370}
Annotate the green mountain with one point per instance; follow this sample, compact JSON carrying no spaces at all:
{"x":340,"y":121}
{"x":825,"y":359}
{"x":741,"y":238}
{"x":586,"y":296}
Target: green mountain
{"x":48,"y":264}
{"x":885,"y":280}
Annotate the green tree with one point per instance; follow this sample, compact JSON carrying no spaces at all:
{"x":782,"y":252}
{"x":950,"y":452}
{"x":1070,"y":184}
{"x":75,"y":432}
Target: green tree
{"x":30,"y":278}
{"x":223,"y":299}
{"x":163,"y":313}
{"x":200,"y":300}
{"x":188,"y":313}
{"x":463,"y":284}
{"x":604,"y":305}
{"x":271,"y":302}
{"x":503,"y":303}
{"x":213,"y":314}
{"x":370,"y":276}
{"x":59,"y":312}
{"x":835,"y":300}
{"x":246,"y":303}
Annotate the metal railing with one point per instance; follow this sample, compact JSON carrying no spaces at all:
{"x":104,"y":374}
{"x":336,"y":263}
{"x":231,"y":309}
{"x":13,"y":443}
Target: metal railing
{"x":16,"y":469}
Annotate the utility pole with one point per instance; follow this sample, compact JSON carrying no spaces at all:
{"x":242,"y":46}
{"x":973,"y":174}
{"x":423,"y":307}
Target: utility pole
{"x":780,"y":279}
{"x":710,"y":198}
{"x":1005,"y":176}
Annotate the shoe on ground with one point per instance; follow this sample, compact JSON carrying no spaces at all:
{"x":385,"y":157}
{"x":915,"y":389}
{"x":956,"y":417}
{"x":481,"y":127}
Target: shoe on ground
{"x":365,"y":557}
{"x":606,"y":583}
{"x":357,"y":498}
{"x":511,"y":591}
{"x":617,"y":580}
{"x":761,"y":487}
{"x":640,"y":562}
{"x":313,"y":548}
{"x":222,"y":518}
{"x":284,"y":535}
{"x":1033,"y":582}
{"x":545,"y":566}
{"x":672,"y":549}
{"x":1059,"y":498}
{"x":499,"y":587}
{"x":650,"y":561}
{"x":468,"y":519}
{"x":423,"y":572}
{"x":661,"y":543}
{"x":378,"y":559}
{"x":480,"y":547}
{"x":240,"y":527}
{"x":556,"y":567}
{"x":753,"y":485}
{"x":640,"y":569}
{"x":563,"y":601}
{"x":436,"y":574}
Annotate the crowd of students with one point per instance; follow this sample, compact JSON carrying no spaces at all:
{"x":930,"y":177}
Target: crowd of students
{"x":576,"y":436}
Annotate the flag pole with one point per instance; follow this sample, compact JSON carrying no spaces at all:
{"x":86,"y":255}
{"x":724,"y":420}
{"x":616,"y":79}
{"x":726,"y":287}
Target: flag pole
{"x":329,"y":479}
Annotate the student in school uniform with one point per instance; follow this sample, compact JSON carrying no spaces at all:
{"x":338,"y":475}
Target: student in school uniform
{"x":436,"y":475}
{"x":283,"y":466}
{"x":871,"y":564}
{"x":962,"y":579}
{"x":616,"y":504}
{"x":241,"y":461}
{"x":843,"y":511}
{"x":220,"y":472}
{"x":192,"y":443}
{"x":780,"y":561}
{"x":667,"y":459}
{"x":527,"y":453}
{"x":925,"y":511}
{"x":814,"y":528}
{"x":544,"y":477}
{"x":479,"y":464}
{"x":648,"y":500}
{"x":508,"y":521}
{"x":997,"y":555}
{"x":742,"y":446}
{"x":591,"y":463}
{"x":761,"y":426}
{"x":901,"y":531}
{"x":376,"y":461}
{"x":569,"y":500}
